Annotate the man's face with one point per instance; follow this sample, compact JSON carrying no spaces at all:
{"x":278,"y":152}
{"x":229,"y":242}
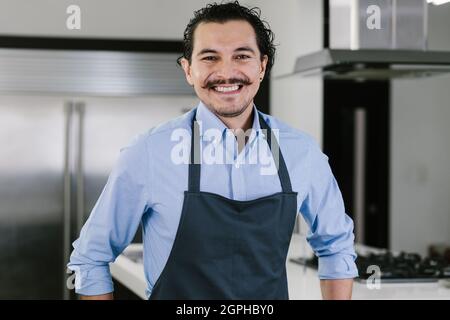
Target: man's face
{"x":226,"y":66}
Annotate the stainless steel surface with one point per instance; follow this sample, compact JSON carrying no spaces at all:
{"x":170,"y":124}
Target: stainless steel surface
{"x":381,"y":24}
{"x":410,"y":22}
{"x":362,"y":49}
{"x":79,"y":170}
{"x":67,"y":230}
{"x":359,"y":182}
{"x":373,"y":64}
{"x":363,"y":37}
{"x":93,"y":73}
{"x":74,"y":216}
{"x":31,"y":197}
{"x":56,"y":156}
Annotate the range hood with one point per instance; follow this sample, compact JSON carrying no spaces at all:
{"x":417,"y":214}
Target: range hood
{"x":373,"y":64}
{"x":375,"y":42}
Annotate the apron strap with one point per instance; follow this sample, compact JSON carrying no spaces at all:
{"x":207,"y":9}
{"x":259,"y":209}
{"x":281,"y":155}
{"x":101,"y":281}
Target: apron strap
{"x":194,"y":165}
{"x":283,"y":173}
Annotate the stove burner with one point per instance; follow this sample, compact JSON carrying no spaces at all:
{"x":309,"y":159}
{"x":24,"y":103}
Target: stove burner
{"x":404,"y":267}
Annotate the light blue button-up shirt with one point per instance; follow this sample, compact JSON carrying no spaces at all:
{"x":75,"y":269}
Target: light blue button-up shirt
{"x":148,"y":181}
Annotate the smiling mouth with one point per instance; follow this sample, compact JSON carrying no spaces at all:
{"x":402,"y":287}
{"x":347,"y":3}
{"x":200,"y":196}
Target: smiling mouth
{"x":233,"y":89}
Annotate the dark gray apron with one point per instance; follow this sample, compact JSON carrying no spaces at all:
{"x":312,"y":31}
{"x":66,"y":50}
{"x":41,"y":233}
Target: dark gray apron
{"x":230,"y":249}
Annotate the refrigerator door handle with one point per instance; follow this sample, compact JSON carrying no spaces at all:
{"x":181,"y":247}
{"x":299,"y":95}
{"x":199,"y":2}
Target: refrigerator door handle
{"x":67,"y":230}
{"x":78,"y":166}
{"x":73,"y":182}
{"x":359,"y":158}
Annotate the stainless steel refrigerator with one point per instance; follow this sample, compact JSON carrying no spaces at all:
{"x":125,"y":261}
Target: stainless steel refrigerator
{"x":55,"y":157}
{"x":57,"y":148}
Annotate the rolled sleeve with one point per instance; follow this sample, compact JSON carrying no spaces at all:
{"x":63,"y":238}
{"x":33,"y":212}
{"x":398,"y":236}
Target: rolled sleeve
{"x":96,"y":280}
{"x":337,"y":266}
{"x":113,"y":221}
{"x":330,"y":228}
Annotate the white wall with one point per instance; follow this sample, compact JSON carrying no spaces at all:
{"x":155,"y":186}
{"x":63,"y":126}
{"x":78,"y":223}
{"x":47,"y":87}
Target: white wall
{"x":420,"y":152}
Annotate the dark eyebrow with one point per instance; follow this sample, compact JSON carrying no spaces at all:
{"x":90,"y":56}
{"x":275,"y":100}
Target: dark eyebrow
{"x":245,"y":49}
{"x":207,"y":50}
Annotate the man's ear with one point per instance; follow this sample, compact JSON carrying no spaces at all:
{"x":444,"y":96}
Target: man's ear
{"x":187,"y":70}
{"x":264,"y":60}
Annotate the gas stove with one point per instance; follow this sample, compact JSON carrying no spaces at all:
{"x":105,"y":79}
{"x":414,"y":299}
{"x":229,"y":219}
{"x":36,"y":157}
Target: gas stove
{"x":394,"y":268}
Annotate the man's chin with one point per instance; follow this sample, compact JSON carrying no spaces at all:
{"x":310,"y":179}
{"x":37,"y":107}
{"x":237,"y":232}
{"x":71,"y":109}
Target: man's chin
{"x":230,"y":112}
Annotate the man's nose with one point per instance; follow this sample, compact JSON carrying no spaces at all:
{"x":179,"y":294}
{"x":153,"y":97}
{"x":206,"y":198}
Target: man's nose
{"x":226,"y":69}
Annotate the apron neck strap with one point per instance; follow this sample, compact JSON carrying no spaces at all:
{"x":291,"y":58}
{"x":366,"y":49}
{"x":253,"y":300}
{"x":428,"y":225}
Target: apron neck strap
{"x":194,"y":165}
{"x":272,"y":142}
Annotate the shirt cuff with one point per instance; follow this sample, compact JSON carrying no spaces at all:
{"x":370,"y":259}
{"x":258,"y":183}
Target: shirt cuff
{"x":92,"y":282}
{"x":337,"y":266}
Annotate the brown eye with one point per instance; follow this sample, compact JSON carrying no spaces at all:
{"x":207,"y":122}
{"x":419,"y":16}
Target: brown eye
{"x":209,"y":58}
{"x":242,"y":57}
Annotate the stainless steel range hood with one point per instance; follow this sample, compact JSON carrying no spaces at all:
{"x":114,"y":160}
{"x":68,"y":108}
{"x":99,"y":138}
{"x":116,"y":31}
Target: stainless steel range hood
{"x":372,"y":64}
{"x":376,"y":40}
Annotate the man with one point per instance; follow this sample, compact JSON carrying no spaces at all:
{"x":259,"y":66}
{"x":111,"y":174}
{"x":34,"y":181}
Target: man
{"x":216,"y":229}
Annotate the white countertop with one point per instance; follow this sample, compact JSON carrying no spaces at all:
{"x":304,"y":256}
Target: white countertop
{"x":303,"y":282}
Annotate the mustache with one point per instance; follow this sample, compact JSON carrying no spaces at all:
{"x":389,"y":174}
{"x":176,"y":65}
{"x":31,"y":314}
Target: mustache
{"x":238,"y":81}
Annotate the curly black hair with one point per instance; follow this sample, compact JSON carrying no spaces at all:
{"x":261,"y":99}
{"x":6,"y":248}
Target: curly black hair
{"x":224,"y":12}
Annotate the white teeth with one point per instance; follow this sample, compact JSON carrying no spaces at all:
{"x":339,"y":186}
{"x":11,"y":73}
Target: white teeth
{"x":226,"y":89}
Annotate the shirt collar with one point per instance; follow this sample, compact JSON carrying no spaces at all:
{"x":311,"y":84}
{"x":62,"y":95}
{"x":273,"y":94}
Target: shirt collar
{"x":208,"y":120}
